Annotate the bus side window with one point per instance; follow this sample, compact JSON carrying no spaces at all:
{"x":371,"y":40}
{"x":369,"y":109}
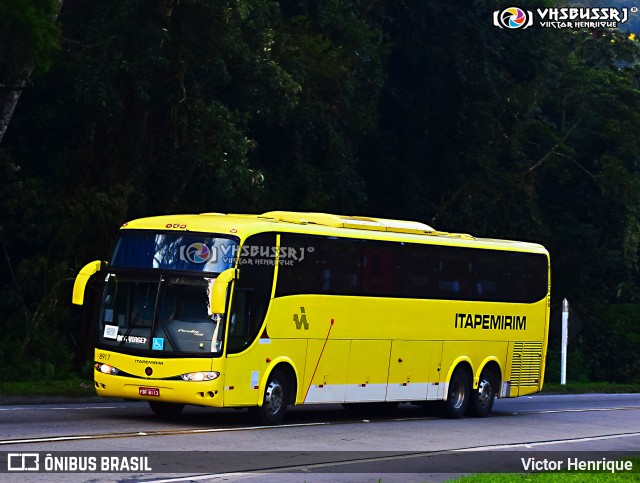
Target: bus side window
{"x":537,"y":280}
{"x":240,"y":321}
{"x":418,"y":271}
{"x":309,"y":275}
{"x":252,"y":292}
{"x":515,"y":278}
{"x":487,"y":272}
{"x":345,"y":261}
{"x":454,"y":274}
{"x":379,"y":269}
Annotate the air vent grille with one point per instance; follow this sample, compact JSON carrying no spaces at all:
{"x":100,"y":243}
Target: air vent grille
{"x":526,"y":363}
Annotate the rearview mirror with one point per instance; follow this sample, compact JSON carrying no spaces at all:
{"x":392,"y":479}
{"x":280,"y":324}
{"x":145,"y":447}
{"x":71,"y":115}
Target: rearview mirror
{"x":82,"y":279}
{"x":218,"y":291}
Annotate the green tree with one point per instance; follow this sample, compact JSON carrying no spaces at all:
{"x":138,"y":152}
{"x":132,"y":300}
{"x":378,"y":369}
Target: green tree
{"x":28,"y":40}
{"x":413,"y":109}
{"x":312,"y":156}
{"x":146,"y":111}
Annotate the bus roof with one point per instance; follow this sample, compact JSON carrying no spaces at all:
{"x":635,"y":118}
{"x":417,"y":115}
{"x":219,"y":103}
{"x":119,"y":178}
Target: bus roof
{"x":244,"y":225}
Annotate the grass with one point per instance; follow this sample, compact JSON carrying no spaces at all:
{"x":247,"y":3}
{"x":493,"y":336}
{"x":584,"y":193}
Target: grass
{"x":76,"y":387}
{"x":552,"y":477}
{"x":587,"y":387}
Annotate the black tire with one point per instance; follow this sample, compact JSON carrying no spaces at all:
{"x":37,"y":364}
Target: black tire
{"x":275,"y":400}
{"x":166,"y":410}
{"x":483,"y":397}
{"x":457,"y":401}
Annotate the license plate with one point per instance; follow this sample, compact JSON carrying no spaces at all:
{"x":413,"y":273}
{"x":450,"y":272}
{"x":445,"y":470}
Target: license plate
{"x":149,"y":391}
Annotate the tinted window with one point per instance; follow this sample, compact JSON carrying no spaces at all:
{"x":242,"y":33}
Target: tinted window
{"x":252,"y":290}
{"x":380,"y":264}
{"x":338,"y":266}
{"x":344,"y":266}
{"x":419,"y":271}
{"x":173,"y":251}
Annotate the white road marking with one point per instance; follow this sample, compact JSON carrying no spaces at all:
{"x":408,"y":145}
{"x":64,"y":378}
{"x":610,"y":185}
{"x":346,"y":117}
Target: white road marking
{"x":222,"y":476}
{"x":551,"y":411}
{"x":46,"y":440}
{"x":248,"y":428}
{"x":159,"y":433}
{"x":45,"y":408}
{"x":547,"y":443}
{"x":250,"y":474}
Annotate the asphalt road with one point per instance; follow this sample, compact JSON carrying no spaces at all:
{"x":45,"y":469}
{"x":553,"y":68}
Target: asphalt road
{"x":315,"y":444}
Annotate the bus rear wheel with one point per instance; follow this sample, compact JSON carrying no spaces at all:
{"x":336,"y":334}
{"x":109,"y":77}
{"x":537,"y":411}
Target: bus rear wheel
{"x":483,"y":397}
{"x":166,"y":410}
{"x":457,"y":401}
{"x":275,"y":401}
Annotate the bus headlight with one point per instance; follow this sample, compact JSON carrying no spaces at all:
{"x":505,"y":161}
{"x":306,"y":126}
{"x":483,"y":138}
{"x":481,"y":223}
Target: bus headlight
{"x":106,"y":368}
{"x":200,"y":376}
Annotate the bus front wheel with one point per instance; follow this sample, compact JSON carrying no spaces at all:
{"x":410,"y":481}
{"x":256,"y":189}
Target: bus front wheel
{"x":276,"y":400}
{"x":166,"y":410}
{"x":458,"y":394}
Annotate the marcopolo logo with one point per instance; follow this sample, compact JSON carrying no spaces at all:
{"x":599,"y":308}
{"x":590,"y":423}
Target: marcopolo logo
{"x":512,"y":18}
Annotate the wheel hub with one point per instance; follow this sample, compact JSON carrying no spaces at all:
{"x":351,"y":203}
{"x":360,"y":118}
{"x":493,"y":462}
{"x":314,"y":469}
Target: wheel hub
{"x":485,"y":393}
{"x":457,"y":394}
{"x":273,"y":397}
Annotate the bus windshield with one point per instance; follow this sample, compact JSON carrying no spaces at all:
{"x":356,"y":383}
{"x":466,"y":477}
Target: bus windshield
{"x":160,"y":315}
{"x":174,"y":251}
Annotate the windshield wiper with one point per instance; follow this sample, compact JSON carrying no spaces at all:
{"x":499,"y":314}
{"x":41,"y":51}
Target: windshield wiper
{"x":161,"y":322}
{"x":139,"y":313}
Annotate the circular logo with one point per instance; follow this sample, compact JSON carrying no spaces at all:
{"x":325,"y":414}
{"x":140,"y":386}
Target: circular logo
{"x":198,"y":253}
{"x":513,"y":18}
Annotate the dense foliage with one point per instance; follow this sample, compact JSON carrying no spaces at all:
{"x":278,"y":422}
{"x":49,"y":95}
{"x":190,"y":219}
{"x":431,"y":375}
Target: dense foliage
{"x":412,"y":109}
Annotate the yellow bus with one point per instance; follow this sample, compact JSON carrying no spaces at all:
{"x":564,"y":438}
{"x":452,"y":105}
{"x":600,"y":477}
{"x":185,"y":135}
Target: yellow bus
{"x":286,"y":308}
